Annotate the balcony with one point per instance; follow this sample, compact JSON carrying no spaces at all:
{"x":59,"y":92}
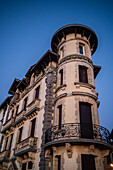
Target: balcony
{"x":25,"y":146}
{"x":8,"y":125}
{"x":14,"y":99}
{"x":77,"y":133}
{"x":20,"y":116}
{"x":4,"y":155}
{"x":33,"y":107}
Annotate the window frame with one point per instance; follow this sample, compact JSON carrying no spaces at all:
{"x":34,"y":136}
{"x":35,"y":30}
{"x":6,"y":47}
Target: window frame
{"x":81,"y":45}
{"x":82,"y":70}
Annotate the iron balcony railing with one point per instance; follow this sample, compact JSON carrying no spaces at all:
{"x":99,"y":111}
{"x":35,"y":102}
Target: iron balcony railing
{"x":77,"y":131}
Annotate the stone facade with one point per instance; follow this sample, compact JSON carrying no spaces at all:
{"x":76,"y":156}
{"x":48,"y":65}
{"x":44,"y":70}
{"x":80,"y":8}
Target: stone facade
{"x":41,"y":124}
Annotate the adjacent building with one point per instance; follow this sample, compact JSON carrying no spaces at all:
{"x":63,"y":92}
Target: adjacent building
{"x":50,"y":121}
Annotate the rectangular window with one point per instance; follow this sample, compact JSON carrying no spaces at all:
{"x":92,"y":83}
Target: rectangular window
{"x":60,"y":116}
{"x":83,"y":74}
{"x":6,"y":143}
{"x":62,"y":52}
{"x":81,"y":48}
{"x":88,"y":162}
{"x":24,"y":166}
{"x":1,"y":143}
{"x":10,"y":142}
{"x":25,"y":103}
{"x":12,"y":113}
{"x":61,"y":77}
{"x":37,"y":92}
{"x":7,"y":115}
{"x":17,"y":109}
{"x":20,"y":134}
{"x":59,"y":162}
{"x":33,"y":127}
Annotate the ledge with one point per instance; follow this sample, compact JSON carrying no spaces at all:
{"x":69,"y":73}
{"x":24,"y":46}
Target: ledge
{"x":31,"y":111}
{"x":81,"y":141}
{"x":64,"y":85}
{"x":85,"y":94}
{"x":60,"y":96}
{"x":84,"y":85}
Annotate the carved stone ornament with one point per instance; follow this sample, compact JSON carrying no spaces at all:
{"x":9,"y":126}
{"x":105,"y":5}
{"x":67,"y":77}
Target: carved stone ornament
{"x":48,"y":153}
{"x":69,"y":150}
{"x":31,"y":155}
{"x":91,"y":148}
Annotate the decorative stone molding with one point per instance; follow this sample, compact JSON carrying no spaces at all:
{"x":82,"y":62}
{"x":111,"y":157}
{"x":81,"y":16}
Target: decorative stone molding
{"x":91,"y":148}
{"x":69,"y":150}
{"x":48,"y":153}
{"x":76,"y":57}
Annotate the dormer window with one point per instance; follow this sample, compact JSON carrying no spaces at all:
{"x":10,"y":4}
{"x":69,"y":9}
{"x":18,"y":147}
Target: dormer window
{"x":81,"y":48}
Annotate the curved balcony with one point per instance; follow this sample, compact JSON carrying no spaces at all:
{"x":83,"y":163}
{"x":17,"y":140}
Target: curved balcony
{"x":77,"y":133}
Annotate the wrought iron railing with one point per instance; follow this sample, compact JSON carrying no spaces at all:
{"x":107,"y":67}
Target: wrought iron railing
{"x":77,"y":131}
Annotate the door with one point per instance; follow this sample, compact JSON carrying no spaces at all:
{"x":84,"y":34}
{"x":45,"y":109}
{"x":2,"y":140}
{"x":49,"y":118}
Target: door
{"x":86,"y":121}
{"x":88,"y":162}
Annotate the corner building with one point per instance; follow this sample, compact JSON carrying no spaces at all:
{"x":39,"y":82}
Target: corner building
{"x":51,"y":120}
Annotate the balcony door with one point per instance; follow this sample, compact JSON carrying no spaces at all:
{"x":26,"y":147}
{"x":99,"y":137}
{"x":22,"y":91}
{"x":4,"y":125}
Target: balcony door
{"x":86,"y":120}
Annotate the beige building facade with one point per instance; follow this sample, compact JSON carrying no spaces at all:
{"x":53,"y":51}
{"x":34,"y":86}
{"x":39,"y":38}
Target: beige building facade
{"x":50,"y":121}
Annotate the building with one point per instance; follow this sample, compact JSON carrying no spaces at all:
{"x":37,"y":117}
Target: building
{"x":50,"y":121}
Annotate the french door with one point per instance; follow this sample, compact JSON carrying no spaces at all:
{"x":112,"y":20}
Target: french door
{"x":86,"y":120}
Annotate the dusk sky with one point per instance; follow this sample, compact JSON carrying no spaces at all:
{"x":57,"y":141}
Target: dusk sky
{"x":26,"y":29}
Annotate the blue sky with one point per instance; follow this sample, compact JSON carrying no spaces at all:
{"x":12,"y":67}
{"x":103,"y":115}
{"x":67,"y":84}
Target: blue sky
{"x":26,"y":29}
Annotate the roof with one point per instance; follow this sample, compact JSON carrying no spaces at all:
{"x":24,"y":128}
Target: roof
{"x":74,"y":28}
{"x":13,"y":86}
{"x":5,"y":102}
{"x":96,"y":70}
{"x":43,"y":62}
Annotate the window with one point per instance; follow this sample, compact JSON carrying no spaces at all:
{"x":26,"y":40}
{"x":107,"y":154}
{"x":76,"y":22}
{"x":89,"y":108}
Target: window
{"x":10,"y":142}
{"x":25,"y":103}
{"x":81,"y":48}
{"x":37,"y":92}
{"x":30,"y":165}
{"x":62,"y":52}
{"x":7,"y":115}
{"x":60,"y":116}
{"x":61,"y":77}
{"x":83,"y":74}
{"x":1,"y":143}
{"x":24,"y":166}
{"x":20,"y":134}
{"x":17,"y":109}
{"x":33,"y":127}
{"x":6,"y":143}
{"x":59,"y":162}
{"x":12,"y":113}
{"x":88,"y":162}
